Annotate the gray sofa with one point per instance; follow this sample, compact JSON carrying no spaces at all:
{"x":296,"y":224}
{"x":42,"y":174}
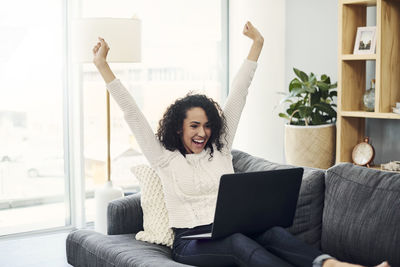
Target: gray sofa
{"x":350,"y":212}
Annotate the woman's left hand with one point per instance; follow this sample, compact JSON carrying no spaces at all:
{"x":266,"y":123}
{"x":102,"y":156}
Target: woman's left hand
{"x":250,"y":31}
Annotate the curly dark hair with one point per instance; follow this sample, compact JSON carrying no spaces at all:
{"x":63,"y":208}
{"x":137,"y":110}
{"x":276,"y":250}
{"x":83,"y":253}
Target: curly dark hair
{"x":172,"y":121}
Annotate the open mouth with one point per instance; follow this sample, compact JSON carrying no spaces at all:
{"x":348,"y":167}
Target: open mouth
{"x":198,"y":142}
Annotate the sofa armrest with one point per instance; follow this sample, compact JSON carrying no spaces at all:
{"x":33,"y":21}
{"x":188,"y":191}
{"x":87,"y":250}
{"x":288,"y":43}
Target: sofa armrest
{"x":125,"y":215}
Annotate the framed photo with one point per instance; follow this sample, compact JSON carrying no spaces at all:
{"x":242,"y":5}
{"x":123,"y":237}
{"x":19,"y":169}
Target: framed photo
{"x":365,"y":41}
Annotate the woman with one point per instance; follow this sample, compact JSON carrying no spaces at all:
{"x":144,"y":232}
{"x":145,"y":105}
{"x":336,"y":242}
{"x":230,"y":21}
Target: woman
{"x":190,"y":152}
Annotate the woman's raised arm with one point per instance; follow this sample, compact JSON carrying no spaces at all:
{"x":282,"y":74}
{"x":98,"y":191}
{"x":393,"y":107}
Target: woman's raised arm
{"x":100,"y":51}
{"x":258,"y":41}
{"x":239,"y":89}
{"x":151,"y":147}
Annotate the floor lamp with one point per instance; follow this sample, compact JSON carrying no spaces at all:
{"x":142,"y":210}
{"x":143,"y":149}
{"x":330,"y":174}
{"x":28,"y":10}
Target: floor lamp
{"x":124,"y":39}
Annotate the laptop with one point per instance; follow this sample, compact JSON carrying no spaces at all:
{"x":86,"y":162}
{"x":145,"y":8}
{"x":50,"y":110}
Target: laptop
{"x":253,"y":202}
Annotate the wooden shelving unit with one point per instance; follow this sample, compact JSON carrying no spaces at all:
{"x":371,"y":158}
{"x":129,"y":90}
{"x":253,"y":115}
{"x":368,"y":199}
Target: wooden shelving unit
{"x":359,"y":57}
{"x":374,"y":115}
{"x":352,"y":70}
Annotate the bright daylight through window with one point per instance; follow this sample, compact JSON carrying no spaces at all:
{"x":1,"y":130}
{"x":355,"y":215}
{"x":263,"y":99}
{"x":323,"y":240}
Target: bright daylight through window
{"x":183,"y":49}
{"x":32,"y":179}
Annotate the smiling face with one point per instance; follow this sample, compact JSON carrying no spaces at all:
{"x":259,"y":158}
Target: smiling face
{"x":195,"y":130}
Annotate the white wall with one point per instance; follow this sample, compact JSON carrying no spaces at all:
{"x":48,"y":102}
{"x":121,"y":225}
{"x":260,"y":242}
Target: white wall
{"x":260,"y":131}
{"x":311,"y":37}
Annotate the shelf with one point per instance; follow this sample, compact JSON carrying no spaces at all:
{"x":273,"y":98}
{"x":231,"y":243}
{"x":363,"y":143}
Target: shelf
{"x":358,"y":57}
{"x":378,"y":167}
{"x":359,"y":2}
{"x":373,"y":115}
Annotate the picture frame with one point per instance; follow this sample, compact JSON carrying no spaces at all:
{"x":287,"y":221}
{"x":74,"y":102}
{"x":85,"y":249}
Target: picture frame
{"x":365,"y":41}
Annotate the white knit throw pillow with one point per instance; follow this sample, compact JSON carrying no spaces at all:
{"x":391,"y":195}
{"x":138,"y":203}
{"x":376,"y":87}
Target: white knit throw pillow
{"x":155,"y":216}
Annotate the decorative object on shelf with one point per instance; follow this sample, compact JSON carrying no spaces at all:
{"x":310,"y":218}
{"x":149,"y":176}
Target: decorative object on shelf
{"x":393,"y":166}
{"x":396,"y":109}
{"x":310,"y":135}
{"x":124,"y":36}
{"x":363,"y":153}
{"x":369,"y":97}
{"x":365,"y":41}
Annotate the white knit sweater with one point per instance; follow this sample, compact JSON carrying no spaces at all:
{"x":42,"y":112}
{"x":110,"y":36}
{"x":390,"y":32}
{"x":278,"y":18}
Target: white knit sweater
{"x":190,"y":183}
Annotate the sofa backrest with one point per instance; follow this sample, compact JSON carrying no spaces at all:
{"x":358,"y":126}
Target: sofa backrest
{"x":308,"y":219}
{"x":361,"y":219}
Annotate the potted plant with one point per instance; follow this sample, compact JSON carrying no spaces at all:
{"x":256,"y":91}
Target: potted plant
{"x":310,"y":135}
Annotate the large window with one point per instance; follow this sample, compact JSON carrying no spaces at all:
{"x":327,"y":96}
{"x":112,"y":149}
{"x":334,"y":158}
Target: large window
{"x":182,"y":51}
{"x":32,"y":177}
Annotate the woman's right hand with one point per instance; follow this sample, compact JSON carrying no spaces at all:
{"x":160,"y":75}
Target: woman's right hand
{"x":250,"y":31}
{"x":100,"y":51}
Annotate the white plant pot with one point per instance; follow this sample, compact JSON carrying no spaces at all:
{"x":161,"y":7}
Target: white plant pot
{"x":310,"y":146}
{"x":102,"y":197}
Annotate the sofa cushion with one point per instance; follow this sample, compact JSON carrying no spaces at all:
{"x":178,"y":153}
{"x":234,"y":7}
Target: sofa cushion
{"x":361,"y":219}
{"x":91,"y":249}
{"x":308,"y":218}
{"x":155,"y":216}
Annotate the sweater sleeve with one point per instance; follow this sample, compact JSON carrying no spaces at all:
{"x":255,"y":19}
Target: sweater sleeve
{"x":237,"y":98}
{"x":151,"y":147}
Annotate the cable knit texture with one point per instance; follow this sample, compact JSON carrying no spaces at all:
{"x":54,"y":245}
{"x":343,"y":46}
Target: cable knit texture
{"x":190,"y":182}
{"x":155,"y":216}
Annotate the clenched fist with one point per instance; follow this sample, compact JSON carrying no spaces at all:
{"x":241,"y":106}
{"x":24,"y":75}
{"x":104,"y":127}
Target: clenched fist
{"x":100,"y":51}
{"x":250,"y":31}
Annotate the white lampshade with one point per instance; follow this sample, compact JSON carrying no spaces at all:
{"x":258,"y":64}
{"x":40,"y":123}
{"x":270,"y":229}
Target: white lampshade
{"x":122,"y":35}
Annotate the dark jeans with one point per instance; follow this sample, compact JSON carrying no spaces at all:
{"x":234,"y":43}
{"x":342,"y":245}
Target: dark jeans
{"x":275,"y":247}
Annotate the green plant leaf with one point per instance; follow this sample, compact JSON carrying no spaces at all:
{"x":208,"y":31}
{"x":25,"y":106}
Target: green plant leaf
{"x":324,"y":95}
{"x":315,"y":98}
{"x":325,"y":79}
{"x":296,"y":92}
{"x":323,"y":86}
{"x":305,"y":111}
{"x":329,"y":119}
{"x":332,"y":94}
{"x":295,"y":114}
{"x":317,"y":119}
{"x":326,"y":108}
{"x":333,"y":85}
{"x":283,"y":115}
{"x":313,"y":79}
{"x":286,"y":99}
{"x":295,"y":83}
{"x":291,"y":109}
{"x":311,"y":89}
{"x":295,"y":105}
{"x":302,"y":75}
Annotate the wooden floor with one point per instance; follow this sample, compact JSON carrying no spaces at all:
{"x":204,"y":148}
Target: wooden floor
{"x":46,"y":250}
